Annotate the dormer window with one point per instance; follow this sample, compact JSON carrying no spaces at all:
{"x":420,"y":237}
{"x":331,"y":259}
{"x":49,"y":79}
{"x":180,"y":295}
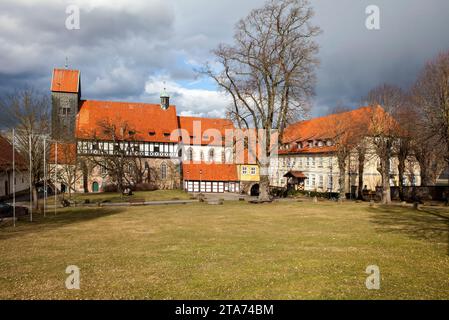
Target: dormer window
{"x":320,"y":143}
{"x":310,"y":143}
{"x":329,"y":143}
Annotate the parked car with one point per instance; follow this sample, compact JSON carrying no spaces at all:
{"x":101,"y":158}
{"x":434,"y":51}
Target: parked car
{"x":7,"y":210}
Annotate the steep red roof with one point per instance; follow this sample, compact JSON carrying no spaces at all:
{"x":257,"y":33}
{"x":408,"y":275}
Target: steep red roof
{"x":6,"y":156}
{"x":307,"y":150}
{"x":209,"y":172}
{"x":64,"y":80}
{"x":66,"y":153}
{"x":318,"y":128}
{"x":144,"y":122}
{"x":205,"y":125}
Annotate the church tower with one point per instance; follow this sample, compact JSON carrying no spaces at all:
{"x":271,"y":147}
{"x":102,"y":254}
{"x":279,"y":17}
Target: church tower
{"x":65,"y":100}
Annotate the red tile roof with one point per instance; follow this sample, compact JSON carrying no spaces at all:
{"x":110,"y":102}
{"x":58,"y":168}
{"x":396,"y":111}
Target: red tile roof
{"x":66,"y":153}
{"x":64,"y":80}
{"x":318,"y":128}
{"x":360,"y":122}
{"x":148,"y":122}
{"x":296,"y":174}
{"x":206,"y":124}
{"x":6,"y":156}
{"x":209,"y":172}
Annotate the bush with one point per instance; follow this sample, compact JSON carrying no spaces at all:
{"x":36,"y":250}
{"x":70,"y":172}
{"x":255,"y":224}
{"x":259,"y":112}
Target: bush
{"x":145,"y":187}
{"x":110,"y":188}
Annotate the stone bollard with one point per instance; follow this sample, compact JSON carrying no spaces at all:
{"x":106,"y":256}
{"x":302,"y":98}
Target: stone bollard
{"x":372,"y":203}
{"x":315,"y":199}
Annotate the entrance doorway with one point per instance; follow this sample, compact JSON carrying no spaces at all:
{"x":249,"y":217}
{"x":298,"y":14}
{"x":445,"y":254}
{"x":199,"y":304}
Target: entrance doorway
{"x":95,"y":187}
{"x":255,"y":190}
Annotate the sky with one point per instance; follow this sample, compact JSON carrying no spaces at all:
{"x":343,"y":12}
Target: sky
{"x":127,"y":50}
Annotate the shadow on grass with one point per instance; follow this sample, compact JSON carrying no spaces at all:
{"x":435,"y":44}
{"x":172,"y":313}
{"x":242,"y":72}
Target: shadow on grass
{"x":51,"y":221}
{"x":431,"y":224}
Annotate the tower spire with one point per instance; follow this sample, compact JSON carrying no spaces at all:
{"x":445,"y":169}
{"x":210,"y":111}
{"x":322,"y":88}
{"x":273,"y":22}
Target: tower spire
{"x":165,"y":98}
{"x":66,"y":62}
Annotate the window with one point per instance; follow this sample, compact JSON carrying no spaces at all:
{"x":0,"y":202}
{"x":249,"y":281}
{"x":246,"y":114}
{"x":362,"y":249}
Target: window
{"x":244,"y":170}
{"x":313,"y":162}
{"x":321,"y":182}
{"x":320,"y":162}
{"x":253,"y":171}
{"x":211,"y":155}
{"x":308,"y":162}
{"x":202,"y":155}
{"x":312,"y":180}
{"x":163,"y":171}
{"x":190,"y":154}
{"x":223,"y":157}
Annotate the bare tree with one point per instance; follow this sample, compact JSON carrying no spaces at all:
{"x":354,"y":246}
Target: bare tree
{"x":431,"y":92}
{"x":29,"y":113}
{"x":346,"y":130}
{"x":67,"y":164}
{"x":120,"y":162}
{"x":269,"y":71}
{"x":385,"y":101}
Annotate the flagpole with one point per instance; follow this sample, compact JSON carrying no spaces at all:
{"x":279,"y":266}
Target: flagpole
{"x":14,"y":176}
{"x":31,"y":183}
{"x":45,"y":177}
{"x":56,"y":167}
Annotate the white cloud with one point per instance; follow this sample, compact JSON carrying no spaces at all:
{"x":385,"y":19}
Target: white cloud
{"x":189,"y":101}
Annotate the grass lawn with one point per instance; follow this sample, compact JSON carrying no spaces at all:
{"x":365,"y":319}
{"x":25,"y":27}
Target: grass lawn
{"x":158,"y":195}
{"x":285,"y":250}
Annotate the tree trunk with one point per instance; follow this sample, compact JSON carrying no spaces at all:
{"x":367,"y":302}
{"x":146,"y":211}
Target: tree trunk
{"x":341,"y":178}
{"x":401,"y":171}
{"x":386,"y":192}
{"x":264,"y":188}
{"x":85,"y":178}
{"x":360,"y":174}
{"x":35,"y":198}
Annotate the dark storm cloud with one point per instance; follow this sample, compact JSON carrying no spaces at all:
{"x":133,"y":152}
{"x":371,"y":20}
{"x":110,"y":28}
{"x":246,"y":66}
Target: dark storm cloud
{"x":125,"y":49}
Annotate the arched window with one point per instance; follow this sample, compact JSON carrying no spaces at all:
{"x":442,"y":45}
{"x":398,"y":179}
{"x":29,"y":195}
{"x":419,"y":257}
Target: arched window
{"x":190,"y":154}
{"x":163,"y":171}
{"x":202,"y":155}
{"x":211,"y":155}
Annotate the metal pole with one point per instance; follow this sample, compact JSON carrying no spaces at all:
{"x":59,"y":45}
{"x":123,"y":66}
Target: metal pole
{"x":45,"y":177}
{"x":31,"y":186}
{"x":14,"y":176}
{"x":56,"y":167}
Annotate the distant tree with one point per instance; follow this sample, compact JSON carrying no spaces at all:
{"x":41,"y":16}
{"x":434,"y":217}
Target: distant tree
{"x":67,"y":165}
{"x":384,"y":129}
{"x":346,"y":132}
{"x":29,"y":113}
{"x":431,"y":92}
{"x":269,"y":71}
{"x":121,"y":163}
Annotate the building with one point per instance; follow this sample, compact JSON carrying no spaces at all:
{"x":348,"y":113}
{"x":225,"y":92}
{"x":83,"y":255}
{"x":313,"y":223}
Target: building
{"x":150,"y":141}
{"x":308,"y":160}
{"x":6,"y":171}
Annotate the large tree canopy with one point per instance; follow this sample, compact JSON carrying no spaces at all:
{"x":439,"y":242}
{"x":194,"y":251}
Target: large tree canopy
{"x":269,"y":69}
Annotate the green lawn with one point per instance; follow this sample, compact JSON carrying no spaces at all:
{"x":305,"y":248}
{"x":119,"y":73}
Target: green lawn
{"x":291,"y":250}
{"x":158,"y":195}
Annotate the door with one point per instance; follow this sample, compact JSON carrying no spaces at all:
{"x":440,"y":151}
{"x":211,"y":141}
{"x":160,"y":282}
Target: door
{"x":95,"y":187}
